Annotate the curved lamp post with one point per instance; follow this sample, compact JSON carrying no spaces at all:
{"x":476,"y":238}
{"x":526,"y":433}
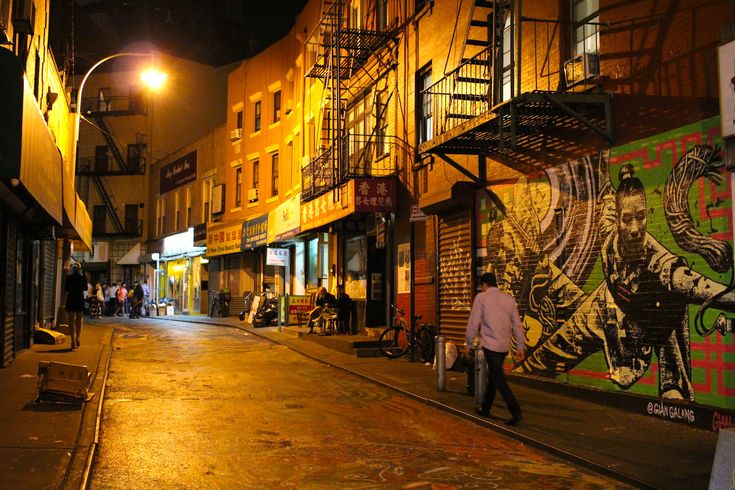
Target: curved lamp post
{"x":152,"y":78}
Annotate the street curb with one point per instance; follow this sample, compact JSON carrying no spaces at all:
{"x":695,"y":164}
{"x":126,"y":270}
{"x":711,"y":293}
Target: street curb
{"x":77,"y":471}
{"x":530,"y":441}
{"x":95,"y":443}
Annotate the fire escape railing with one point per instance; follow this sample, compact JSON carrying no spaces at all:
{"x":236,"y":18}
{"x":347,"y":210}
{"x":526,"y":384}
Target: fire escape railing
{"x":363,"y":155}
{"x":115,"y":105}
{"x":465,"y":93}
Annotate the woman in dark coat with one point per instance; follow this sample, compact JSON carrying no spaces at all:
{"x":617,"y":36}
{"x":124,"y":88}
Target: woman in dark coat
{"x":76,"y":284}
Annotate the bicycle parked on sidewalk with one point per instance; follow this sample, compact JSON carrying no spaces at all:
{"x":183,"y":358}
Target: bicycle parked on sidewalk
{"x":400,"y":339}
{"x":220,"y":306}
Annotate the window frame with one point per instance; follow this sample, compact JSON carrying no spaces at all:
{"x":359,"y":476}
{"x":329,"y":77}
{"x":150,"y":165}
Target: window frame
{"x":424,"y":104}
{"x":238,"y":186}
{"x":585,"y":26}
{"x":257,"y":115}
{"x":274,"y":174}
{"x":277,"y":98}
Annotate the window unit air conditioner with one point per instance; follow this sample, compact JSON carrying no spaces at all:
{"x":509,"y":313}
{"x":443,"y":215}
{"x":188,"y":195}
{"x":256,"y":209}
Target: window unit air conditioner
{"x":236,"y":134}
{"x":581,"y":68}
{"x":253,"y":195}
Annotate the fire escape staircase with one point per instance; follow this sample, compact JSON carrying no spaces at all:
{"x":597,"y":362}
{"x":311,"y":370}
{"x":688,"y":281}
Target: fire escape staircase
{"x":109,"y":201}
{"x":337,"y":53}
{"x":96,"y":112}
{"x":469,"y":116}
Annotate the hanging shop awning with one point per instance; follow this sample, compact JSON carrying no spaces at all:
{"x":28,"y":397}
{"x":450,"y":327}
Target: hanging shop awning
{"x":254,"y":232}
{"x":284,"y":221}
{"x":360,"y":195}
{"x":131,"y":258}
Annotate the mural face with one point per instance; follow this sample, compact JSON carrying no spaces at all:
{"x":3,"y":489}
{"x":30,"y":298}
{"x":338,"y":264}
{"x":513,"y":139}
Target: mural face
{"x":620,"y":263}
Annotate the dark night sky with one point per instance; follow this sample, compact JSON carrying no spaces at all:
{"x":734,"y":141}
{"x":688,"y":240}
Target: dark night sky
{"x":214,"y":32}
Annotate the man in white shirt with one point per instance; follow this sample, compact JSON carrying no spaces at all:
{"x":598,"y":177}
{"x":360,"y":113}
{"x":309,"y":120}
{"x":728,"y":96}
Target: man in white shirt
{"x":495,"y":315}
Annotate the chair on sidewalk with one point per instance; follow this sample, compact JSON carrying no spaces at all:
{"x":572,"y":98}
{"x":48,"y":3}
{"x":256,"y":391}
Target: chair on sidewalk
{"x":304,"y":315}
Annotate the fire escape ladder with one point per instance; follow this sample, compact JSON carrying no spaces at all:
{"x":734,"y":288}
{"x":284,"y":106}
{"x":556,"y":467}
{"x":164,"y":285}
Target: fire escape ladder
{"x":110,"y":139}
{"x":109,"y":202}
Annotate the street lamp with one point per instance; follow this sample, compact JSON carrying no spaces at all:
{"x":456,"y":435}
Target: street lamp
{"x":152,"y":78}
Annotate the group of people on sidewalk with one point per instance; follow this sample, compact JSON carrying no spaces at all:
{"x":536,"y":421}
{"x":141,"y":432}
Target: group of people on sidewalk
{"x":324,"y":302}
{"x":98,"y":300}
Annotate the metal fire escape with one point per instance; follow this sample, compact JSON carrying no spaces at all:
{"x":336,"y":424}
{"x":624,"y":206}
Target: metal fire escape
{"x":99,"y":111}
{"x":479,"y":108}
{"x":337,"y":54}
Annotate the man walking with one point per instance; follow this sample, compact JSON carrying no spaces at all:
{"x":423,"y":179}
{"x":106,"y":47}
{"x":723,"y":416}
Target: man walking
{"x":494,"y":315}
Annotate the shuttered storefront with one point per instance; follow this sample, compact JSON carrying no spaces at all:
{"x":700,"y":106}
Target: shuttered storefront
{"x":8,"y":245}
{"x":48,"y":280}
{"x":455,"y":273}
{"x":215,"y":264}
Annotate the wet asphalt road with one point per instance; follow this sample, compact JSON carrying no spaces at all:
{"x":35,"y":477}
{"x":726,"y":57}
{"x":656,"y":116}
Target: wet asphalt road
{"x":197,"y":406}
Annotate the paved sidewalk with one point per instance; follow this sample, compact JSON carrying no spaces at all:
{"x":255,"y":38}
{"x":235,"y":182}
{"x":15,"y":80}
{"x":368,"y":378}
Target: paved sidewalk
{"x":45,"y":445}
{"x":581,"y":426}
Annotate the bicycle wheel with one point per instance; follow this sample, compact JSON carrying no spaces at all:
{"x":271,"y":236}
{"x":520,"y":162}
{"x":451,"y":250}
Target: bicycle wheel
{"x":425,"y":343}
{"x":393,"y":342}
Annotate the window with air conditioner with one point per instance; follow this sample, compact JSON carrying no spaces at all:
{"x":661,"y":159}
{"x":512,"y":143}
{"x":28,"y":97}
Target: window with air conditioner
{"x":236,"y":134}
{"x":252,"y":196}
{"x":585,"y":61}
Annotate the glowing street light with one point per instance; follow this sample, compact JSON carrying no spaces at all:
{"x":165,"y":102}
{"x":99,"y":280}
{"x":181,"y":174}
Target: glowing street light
{"x":154,"y":78}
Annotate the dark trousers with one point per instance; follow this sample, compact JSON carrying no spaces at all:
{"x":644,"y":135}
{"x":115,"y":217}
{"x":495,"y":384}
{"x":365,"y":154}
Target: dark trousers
{"x":496,"y":382}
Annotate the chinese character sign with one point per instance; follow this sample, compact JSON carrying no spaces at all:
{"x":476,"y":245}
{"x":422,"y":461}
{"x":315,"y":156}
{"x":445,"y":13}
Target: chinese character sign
{"x":223,"y":239}
{"x":375,"y":195}
{"x":254,"y":232}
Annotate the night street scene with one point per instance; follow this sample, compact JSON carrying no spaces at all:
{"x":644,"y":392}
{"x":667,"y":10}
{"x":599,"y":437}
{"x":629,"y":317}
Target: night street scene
{"x":367,"y":244}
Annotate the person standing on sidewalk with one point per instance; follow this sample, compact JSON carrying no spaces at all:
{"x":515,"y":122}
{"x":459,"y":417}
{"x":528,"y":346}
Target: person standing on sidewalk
{"x":495,"y":316}
{"x":75,"y":286}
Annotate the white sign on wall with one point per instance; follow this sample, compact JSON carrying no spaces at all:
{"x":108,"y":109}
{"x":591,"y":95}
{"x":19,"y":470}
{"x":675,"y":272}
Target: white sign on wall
{"x":726,"y":57}
{"x":277,"y":256}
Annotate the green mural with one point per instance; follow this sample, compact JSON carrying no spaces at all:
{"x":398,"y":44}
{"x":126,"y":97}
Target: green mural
{"x":621,"y":264}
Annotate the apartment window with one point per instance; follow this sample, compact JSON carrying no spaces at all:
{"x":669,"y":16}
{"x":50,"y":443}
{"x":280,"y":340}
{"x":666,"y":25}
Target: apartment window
{"x":188,"y":208}
{"x":161,"y":212}
{"x":99,"y":220}
{"x":239,"y":119}
{"x":101,"y":158}
{"x":135,"y":157}
{"x":274,"y":174}
{"x":177,"y":213}
{"x":586,"y":36}
{"x":423,"y":102}
{"x":506,"y":67}
{"x":276,"y":106}
{"x":37,"y":77}
{"x":257,"y":115}
{"x":238,"y":187}
{"x":355,"y":18}
{"x":131,"y":218}
{"x":360,"y":127}
{"x":381,"y":14}
{"x":381,"y":122}
{"x":256,"y":173}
